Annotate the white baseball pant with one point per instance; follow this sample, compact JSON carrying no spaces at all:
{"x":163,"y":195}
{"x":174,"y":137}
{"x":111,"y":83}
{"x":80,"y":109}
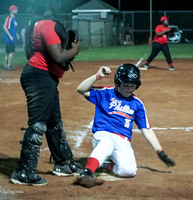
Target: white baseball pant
{"x":119,"y":150}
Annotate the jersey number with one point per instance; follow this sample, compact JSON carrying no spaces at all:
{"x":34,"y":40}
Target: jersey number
{"x":127,"y":121}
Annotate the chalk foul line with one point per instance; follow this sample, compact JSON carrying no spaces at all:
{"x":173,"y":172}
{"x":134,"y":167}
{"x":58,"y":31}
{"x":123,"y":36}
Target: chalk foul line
{"x":169,"y":128}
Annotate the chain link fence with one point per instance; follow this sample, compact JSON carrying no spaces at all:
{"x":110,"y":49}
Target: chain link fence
{"x":140,"y":23}
{"x":104,"y":32}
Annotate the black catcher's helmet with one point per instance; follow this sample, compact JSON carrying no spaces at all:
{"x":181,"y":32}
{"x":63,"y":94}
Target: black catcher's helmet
{"x":127,"y":73}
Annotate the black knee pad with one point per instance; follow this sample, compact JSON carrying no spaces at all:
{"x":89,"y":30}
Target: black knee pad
{"x":34,"y":134}
{"x":39,"y":128}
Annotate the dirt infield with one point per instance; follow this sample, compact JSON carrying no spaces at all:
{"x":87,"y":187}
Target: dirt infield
{"x":168,"y":99}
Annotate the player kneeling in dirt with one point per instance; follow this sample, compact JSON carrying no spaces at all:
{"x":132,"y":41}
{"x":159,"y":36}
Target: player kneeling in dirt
{"x":116,"y":110}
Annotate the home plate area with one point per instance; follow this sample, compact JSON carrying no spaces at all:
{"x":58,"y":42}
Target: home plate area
{"x":107,"y":176}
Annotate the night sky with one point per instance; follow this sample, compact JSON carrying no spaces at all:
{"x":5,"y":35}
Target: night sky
{"x":134,"y":5}
{"x":129,"y":5}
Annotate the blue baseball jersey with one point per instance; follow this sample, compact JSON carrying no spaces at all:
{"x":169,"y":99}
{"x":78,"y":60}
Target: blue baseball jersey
{"x":115,"y":113}
{"x":11,"y":25}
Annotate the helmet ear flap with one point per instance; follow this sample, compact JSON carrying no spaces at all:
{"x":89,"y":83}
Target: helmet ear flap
{"x":117,"y":83}
{"x":116,"y":80}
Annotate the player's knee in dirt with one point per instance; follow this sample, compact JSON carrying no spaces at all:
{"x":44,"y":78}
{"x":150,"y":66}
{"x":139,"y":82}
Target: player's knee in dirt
{"x":125,"y":171}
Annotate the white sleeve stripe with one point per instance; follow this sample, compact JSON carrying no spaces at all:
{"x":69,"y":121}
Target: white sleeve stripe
{"x":8,"y":22}
{"x":147,"y":120}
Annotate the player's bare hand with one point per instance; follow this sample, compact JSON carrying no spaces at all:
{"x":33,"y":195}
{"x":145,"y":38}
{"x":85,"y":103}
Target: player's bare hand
{"x":104,"y":72}
{"x":75,"y":46}
{"x":11,"y":38}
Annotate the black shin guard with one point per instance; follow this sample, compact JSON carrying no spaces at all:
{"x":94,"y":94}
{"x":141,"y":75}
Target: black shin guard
{"x":58,"y":144}
{"x":30,"y":151}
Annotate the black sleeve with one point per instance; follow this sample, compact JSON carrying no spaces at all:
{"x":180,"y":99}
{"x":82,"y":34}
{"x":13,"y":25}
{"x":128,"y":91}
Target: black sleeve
{"x":62,"y":34}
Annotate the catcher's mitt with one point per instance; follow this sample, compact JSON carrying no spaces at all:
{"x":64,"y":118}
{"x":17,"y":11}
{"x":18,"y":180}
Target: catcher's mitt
{"x":72,"y":37}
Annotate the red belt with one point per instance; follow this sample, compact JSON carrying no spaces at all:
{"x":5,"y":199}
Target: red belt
{"x":122,"y":136}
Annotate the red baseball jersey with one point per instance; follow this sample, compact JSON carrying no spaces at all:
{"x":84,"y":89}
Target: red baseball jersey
{"x":44,"y":34}
{"x":163,"y":39}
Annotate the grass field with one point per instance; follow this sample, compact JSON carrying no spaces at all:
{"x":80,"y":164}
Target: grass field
{"x":117,"y":53}
{"x":133,"y":52}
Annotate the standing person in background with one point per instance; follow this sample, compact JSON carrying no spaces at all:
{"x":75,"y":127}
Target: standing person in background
{"x":128,"y":35}
{"x":11,"y":36}
{"x":160,"y":43}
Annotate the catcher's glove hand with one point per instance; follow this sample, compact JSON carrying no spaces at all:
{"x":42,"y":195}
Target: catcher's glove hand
{"x":166,"y":159}
{"x":72,"y":37}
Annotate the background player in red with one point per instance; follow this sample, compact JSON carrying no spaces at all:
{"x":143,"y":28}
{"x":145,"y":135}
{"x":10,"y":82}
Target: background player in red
{"x":48,"y":60}
{"x":160,"y":43}
{"x":11,"y":36}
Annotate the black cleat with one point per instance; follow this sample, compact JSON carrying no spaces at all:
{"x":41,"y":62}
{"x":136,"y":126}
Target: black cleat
{"x":20,"y":177}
